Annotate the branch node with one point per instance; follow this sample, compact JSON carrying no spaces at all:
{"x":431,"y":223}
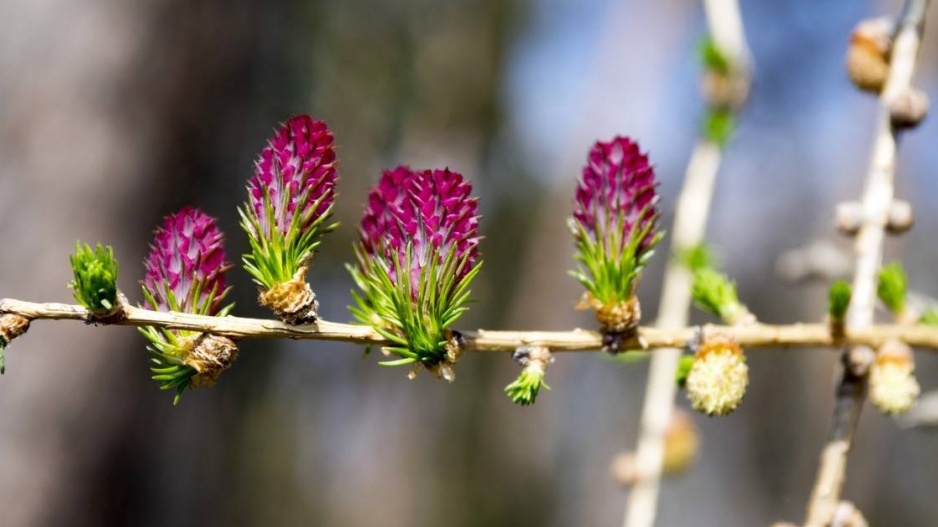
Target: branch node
{"x":115,"y":315}
{"x":838,"y":330}
{"x":725,"y":91}
{"x":618,"y":322}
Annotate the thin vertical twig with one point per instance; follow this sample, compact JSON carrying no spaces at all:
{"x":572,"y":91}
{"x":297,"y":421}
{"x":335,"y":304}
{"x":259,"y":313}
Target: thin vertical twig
{"x":690,"y":220}
{"x":877,"y":198}
{"x":692,"y":210}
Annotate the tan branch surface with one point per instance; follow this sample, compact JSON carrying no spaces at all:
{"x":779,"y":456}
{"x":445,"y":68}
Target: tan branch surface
{"x":754,"y":336}
{"x":877,"y":198}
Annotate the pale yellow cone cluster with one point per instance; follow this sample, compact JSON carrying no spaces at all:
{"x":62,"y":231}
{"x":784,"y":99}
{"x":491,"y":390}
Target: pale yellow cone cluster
{"x":718,"y":379}
{"x":893,"y":387}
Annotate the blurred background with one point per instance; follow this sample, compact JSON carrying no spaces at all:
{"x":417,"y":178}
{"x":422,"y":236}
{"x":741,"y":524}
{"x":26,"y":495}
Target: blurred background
{"x":114,"y":113}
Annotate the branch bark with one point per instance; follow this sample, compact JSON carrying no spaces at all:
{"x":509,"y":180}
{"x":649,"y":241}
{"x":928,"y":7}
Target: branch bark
{"x":750,"y":336}
{"x":877,"y":198}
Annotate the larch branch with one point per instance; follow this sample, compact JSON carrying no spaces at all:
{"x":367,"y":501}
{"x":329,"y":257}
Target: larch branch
{"x":877,"y":198}
{"x":751,"y":336}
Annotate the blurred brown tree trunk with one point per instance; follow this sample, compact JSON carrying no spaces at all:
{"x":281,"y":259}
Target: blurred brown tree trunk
{"x":98,"y":102}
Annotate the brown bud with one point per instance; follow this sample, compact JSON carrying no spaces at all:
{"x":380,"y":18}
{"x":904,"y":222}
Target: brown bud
{"x":210,"y":356}
{"x":849,"y":217}
{"x":900,"y":218}
{"x":294,"y":301}
{"x":908,"y":108}
{"x":868,"y":54}
{"x":724,"y":91}
{"x":12,"y":326}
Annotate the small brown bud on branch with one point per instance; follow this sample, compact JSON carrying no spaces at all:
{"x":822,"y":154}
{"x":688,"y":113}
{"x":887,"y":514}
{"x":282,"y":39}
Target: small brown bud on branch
{"x":849,"y":217}
{"x":901,"y":217}
{"x":908,"y":108}
{"x":868,"y":54}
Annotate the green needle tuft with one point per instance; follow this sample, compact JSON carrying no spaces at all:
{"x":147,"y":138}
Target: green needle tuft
{"x":839,"y":300}
{"x":525,"y":388}
{"x":715,"y":293}
{"x":893,"y":284}
{"x":95,"y":282}
{"x":683,"y":369}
